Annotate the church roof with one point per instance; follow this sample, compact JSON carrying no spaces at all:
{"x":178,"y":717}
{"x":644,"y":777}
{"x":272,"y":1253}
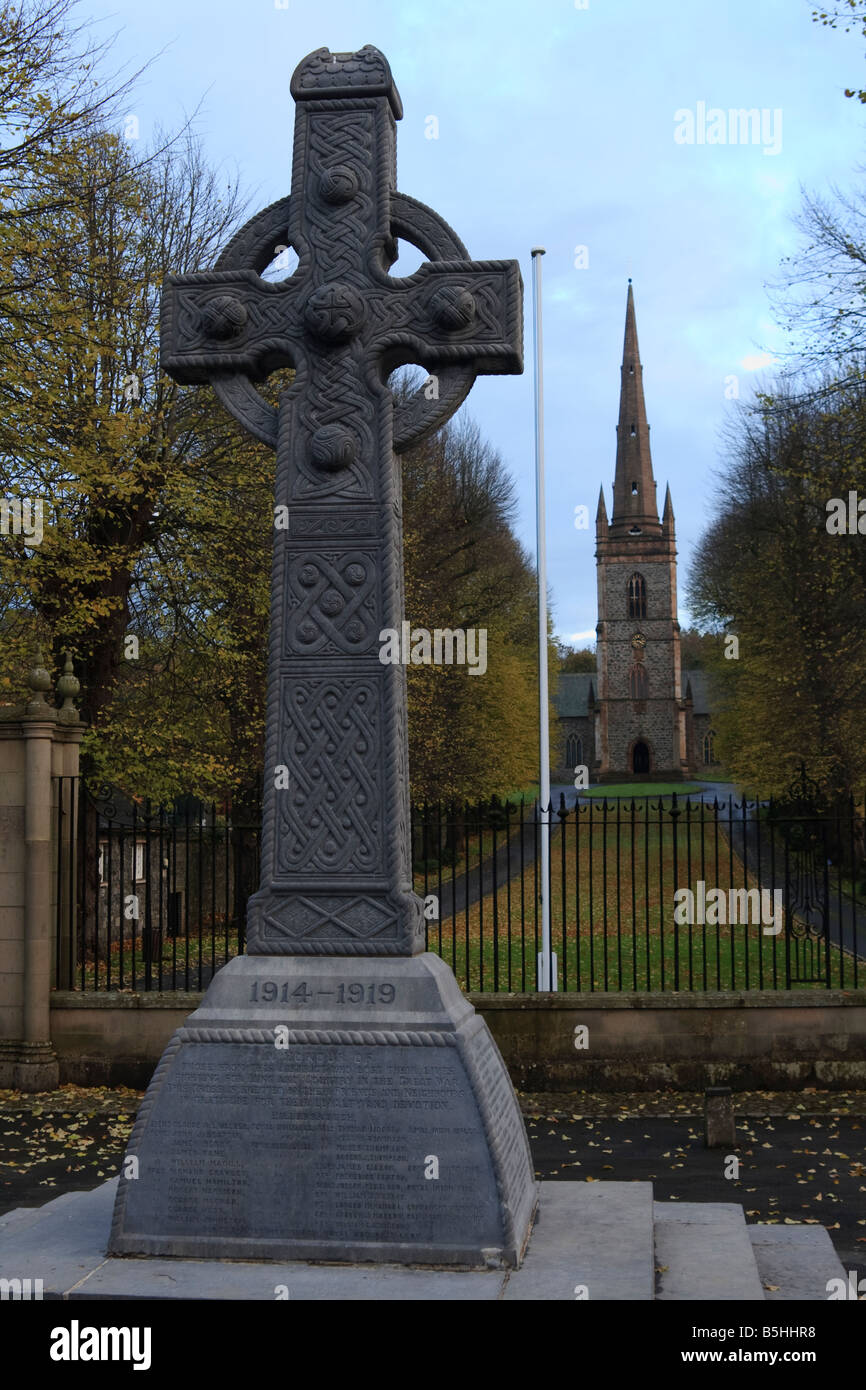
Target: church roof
{"x":700,"y":695}
{"x":572,"y":693}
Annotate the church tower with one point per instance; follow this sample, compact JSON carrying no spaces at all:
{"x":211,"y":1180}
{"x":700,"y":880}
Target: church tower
{"x":640,"y":715}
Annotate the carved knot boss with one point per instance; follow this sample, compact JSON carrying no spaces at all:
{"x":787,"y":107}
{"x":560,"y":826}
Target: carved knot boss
{"x":336,"y":856}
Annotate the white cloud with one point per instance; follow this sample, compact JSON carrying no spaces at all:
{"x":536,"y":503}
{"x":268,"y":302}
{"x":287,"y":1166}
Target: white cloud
{"x":756,"y":360}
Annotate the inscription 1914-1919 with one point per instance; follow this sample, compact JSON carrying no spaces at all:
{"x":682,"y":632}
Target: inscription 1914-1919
{"x":286,"y":992}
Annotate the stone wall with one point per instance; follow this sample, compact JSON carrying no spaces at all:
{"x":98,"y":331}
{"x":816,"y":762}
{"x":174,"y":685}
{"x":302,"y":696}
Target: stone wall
{"x":582,"y":727}
{"x":770,"y":1040}
{"x":764,"y":1041}
{"x":193,"y":869}
{"x":115,"y":1039}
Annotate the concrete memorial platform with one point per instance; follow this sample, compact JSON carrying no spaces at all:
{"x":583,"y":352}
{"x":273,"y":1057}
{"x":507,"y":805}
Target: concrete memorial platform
{"x":591,"y":1242}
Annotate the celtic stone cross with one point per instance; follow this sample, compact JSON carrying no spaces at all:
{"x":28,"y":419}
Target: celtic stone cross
{"x":305,"y":1107}
{"x":336,"y":871}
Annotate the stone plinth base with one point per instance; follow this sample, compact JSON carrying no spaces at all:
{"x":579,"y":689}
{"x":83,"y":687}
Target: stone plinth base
{"x":322,"y":1108}
{"x":28,"y":1066}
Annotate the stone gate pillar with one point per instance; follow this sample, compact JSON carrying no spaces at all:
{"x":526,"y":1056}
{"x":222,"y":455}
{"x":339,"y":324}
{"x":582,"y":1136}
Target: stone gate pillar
{"x":38,"y":743}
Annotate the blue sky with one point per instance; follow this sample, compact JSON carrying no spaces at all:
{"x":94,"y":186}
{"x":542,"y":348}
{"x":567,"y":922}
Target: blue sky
{"x":556,"y":126}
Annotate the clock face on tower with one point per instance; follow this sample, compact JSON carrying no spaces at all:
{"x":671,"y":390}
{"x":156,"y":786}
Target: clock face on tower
{"x":638,"y":641}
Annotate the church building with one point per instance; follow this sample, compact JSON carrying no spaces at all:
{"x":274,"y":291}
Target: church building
{"x":639,"y":715}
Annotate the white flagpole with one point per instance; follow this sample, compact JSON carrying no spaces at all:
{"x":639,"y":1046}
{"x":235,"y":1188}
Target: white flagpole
{"x":547,"y":971}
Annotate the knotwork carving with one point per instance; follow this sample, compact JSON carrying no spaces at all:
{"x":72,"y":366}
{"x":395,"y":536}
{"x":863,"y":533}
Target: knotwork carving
{"x":330,"y":815}
{"x":335,"y":402}
{"x":332,"y":603}
{"x":422,"y":412}
{"x":352,"y":918}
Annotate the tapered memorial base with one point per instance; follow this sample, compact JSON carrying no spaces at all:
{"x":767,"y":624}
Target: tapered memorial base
{"x":325,"y":1108}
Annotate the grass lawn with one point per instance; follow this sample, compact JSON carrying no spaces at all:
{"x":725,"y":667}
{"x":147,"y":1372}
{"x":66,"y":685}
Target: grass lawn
{"x":447,"y":859}
{"x":180,"y":957}
{"x":642,"y":789}
{"x":444,"y":864}
{"x":612,"y":925}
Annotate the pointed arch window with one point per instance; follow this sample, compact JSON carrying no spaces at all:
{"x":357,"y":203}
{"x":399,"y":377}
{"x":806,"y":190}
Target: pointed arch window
{"x":638,"y":682}
{"x":710,"y":748}
{"x":637,"y":596}
{"x":573,"y":751}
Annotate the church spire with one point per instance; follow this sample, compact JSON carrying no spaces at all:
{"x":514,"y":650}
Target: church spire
{"x":668,"y":514}
{"x":635,"y":509}
{"x":601,"y":516}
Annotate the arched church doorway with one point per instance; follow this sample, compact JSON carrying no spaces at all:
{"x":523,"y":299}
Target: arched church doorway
{"x":640,"y":759}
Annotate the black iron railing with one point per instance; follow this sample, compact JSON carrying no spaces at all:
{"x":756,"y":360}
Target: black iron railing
{"x":653,"y":894}
{"x":148,"y":898}
{"x":665,"y":893}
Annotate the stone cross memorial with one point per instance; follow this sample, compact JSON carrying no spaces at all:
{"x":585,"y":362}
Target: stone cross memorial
{"x":335,"y":1097}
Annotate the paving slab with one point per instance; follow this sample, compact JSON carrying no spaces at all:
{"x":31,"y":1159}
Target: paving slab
{"x":153,"y":1278}
{"x":63,"y":1244}
{"x":590,"y":1240}
{"x":22,"y":1217}
{"x":799,"y":1261}
{"x":703,"y":1252}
